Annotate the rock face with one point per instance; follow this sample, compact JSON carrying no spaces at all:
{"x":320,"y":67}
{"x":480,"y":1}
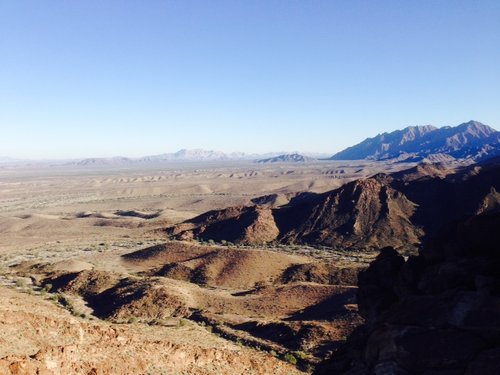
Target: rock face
{"x":468,"y":140}
{"x":436,"y":313}
{"x":399,"y":210}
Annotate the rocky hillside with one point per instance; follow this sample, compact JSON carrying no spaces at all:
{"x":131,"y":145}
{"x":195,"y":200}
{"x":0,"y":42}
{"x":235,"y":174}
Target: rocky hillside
{"x":397,"y":210}
{"x":433,"y":313}
{"x":274,"y":301}
{"x":39,"y":338}
{"x":470,"y":140}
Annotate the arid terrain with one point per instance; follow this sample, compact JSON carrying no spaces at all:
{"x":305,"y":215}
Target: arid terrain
{"x":249,"y":188}
{"x":229,"y":268}
{"x":84,"y":250}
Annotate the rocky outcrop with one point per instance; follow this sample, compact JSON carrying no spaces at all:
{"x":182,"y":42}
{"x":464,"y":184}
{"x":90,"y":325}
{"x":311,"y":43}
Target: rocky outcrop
{"x":321,"y":273}
{"x":435,"y":313}
{"x":245,"y":225}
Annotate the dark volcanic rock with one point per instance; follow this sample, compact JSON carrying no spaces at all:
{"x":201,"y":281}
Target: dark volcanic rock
{"x":376,"y":291}
{"x":486,"y":363}
{"x":321,"y":273}
{"x":437,"y":313}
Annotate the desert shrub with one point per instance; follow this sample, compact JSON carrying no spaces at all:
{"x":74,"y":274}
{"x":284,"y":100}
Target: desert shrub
{"x":47,"y":288}
{"x":290,"y":358}
{"x":299,"y":355}
{"x":65,"y":302}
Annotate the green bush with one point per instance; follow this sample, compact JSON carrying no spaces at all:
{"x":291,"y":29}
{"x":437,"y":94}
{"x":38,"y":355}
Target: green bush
{"x":290,"y":358}
{"x":47,"y":288}
{"x":300,"y":355}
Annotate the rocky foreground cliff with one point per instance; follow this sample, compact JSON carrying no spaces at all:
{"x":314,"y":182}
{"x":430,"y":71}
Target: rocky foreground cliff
{"x":435,"y":313}
{"x":36,"y":337}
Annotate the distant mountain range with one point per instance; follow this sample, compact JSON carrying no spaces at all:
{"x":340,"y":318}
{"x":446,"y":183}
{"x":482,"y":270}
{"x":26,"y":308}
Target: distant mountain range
{"x":181,"y":155}
{"x":6,"y":159}
{"x":286,"y":158}
{"x":196,"y":155}
{"x":192,"y":155}
{"x":471,"y":140}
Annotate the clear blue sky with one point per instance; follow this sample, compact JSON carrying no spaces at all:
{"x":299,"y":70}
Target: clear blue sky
{"x":102,"y":78}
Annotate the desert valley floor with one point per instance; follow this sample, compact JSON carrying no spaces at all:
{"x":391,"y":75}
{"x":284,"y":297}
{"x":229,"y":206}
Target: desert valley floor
{"x":86,"y":269}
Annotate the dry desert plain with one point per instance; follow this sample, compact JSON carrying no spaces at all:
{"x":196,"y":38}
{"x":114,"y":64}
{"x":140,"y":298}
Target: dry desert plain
{"x":90,"y":283}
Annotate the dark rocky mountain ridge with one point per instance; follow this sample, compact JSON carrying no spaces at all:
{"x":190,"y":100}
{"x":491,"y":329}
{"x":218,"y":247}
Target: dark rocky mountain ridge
{"x":471,"y":140}
{"x":399,"y":210}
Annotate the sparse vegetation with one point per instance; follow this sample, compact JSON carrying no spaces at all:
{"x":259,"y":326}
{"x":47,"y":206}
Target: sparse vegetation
{"x":182,"y":322}
{"x":46,"y":288}
{"x":233,"y":282}
{"x":300,"y":355}
{"x":290,"y":358}
{"x":66,"y":302}
{"x":21,"y":283}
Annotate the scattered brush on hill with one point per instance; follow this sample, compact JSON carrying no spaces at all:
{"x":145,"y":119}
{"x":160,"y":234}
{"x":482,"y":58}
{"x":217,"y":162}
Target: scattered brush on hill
{"x":399,"y":210}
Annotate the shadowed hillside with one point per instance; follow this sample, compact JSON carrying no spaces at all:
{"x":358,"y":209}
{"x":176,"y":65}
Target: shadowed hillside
{"x":433,"y":313}
{"x":399,"y":210}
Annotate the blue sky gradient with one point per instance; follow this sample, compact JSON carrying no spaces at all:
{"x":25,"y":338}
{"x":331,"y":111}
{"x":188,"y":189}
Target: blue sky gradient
{"x":132,"y":78}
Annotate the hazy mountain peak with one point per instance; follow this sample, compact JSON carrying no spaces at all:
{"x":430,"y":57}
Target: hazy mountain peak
{"x":286,"y":158}
{"x":477,"y":128}
{"x":411,"y":133}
